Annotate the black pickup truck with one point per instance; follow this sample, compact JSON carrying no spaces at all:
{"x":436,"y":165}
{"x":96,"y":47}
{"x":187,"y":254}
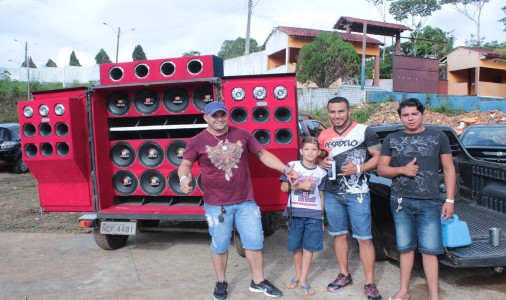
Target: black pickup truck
{"x":480,"y":202}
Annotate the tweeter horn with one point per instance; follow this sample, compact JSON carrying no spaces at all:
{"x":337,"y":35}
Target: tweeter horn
{"x":152,"y":182}
{"x":124,"y":182}
{"x":118,"y":103}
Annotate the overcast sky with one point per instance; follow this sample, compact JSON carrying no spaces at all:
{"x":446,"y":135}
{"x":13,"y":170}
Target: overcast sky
{"x":168,"y":28}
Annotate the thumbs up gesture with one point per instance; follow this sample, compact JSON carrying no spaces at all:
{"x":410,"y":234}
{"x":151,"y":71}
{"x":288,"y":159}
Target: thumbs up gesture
{"x":411,"y":169}
{"x":185,"y":184}
{"x":348,"y":168}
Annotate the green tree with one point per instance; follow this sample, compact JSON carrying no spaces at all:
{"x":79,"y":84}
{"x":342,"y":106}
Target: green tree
{"x":382,"y":7}
{"x":102,"y":57}
{"x":73,"y":60}
{"x":191,"y":53}
{"x":471,"y":9}
{"x":418,"y":11}
{"x":235,"y":48}
{"x":433,"y":42}
{"x":51,"y":64}
{"x":503,"y":20}
{"x":326,"y":59}
{"x":30,"y":63}
{"x":138,"y":53}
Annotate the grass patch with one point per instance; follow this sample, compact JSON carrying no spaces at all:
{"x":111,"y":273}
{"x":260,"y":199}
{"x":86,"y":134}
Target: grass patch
{"x":446,"y":109}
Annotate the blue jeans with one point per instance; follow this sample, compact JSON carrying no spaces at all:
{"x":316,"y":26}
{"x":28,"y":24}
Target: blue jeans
{"x":344,"y":209}
{"x":244,"y":216}
{"x":418,"y":223}
{"x":305,"y":233}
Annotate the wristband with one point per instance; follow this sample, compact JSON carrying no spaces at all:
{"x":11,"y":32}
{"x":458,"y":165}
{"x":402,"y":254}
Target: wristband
{"x":358,"y":169}
{"x":182,"y":177}
{"x":450,"y":201}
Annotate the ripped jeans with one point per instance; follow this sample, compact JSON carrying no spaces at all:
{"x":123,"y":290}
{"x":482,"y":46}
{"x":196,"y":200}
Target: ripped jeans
{"x":244,"y":216}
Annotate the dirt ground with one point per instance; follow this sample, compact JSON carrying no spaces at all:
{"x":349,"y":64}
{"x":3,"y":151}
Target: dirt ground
{"x":20,"y":210}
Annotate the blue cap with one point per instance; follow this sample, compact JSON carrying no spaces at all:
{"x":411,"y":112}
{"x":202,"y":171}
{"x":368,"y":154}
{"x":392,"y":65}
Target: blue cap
{"x":213,"y":107}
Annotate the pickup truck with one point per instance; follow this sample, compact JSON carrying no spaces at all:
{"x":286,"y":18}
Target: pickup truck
{"x":480,"y":202}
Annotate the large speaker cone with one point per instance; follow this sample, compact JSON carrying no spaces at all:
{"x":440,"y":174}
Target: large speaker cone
{"x":202,"y":96}
{"x":176,"y":99}
{"x":116,"y":73}
{"x":146,"y":101}
{"x":141,"y":71}
{"x":152,"y":182}
{"x":174,"y":183}
{"x":124,"y":182}
{"x":29,"y":130}
{"x":263,"y":136}
{"x":238,"y":115}
{"x":283,"y":136}
{"x":167,"y":68}
{"x":150,"y":154}
{"x":122,"y":154}
{"x":175,"y":152}
{"x":283,"y":114}
{"x":62,"y":149}
{"x":194,"y":66}
{"x":260,"y":114}
{"x":61,"y":129}
{"x":30,"y":150}
{"x":118,"y":103}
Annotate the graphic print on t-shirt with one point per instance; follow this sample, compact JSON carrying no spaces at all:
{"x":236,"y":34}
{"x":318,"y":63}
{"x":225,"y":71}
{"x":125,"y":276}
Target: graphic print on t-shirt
{"x":306,"y":197}
{"x":225,"y":156}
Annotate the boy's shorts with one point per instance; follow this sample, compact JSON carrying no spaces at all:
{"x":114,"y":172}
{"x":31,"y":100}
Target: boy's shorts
{"x":342,"y":210}
{"x":305,"y":233}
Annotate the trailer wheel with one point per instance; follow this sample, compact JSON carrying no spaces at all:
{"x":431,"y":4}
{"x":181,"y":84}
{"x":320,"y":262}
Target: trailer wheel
{"x":238,"y":245}
{"x":109,"y":241}
{"x":269,"y":223}
{"x":378,"y":243}
{"x":20,"y":166}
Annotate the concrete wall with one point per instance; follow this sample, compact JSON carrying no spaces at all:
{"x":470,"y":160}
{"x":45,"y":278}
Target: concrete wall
{"x":66,"y":75}
{"x":310,"y":99}
{"x":466,"y":103}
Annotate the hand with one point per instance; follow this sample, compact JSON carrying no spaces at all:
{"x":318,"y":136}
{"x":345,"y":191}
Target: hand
{"x":447,"y":210}
{"x":411,"y":169}
{"x":292,"y":175}
{"x":325,"y":164}
{"x":305,"y":185}
{"x":185,"y":184}
{"x":348,"y":169}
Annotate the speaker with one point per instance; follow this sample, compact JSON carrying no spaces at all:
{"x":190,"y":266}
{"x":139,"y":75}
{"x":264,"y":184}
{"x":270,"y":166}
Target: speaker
{"x":283,"y":114}
{"x":152,"y":182}
{"x":146,"y":101}
{"x":181,"y":68}
{"x":202,"y":96}
{"x":125,"y":182}
{"x":263,"y":136}
{"x":283,"y":136}
{"x":122,"y":154}
{"x":118,"y":103}
{"x":260,"y":114}
{"x":176,"y":99}
{"x":150,"y":154}
{"x":175,"y":151}
{"x":173,"y":180}
{"x":238,"y":115}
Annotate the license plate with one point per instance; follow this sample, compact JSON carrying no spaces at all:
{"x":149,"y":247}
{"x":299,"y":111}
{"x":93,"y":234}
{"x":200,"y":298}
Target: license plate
{"x":122,"y":228}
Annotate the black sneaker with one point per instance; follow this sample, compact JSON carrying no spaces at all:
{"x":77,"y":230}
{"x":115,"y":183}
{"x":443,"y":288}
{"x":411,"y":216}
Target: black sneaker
{"x":340,"y":283}
{"x":265,"y":287}
{"x":221,"y":290}
{"x":371,"y":291}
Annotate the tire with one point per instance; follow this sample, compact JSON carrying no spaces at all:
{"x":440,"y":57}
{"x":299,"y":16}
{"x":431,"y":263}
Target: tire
{"x":20,"y":166}
{"x":269,"y":223}
{"x":109,"y":241}
{"x":378,"y":243}
{"x":238,"y":245}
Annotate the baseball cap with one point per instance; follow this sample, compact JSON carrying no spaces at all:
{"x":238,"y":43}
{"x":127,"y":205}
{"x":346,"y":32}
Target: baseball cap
{"x":213,"y":107}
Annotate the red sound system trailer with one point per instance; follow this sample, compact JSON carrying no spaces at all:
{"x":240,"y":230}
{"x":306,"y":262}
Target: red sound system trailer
{"x":112,"y":151}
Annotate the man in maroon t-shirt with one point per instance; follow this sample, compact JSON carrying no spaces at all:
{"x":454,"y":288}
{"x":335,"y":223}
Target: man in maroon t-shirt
{"x":222,"y":153}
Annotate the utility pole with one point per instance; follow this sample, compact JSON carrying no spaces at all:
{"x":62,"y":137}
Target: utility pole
{"x":27,"y":66}
{"x":118,"y":35}
{"x":250,"y":8}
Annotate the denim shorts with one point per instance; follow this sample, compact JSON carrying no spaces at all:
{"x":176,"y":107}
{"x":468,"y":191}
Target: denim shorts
{"x":418,"y":223}
{"x":305,"y":233}
{"x":342,"y":210}
{"x":245,"y":217}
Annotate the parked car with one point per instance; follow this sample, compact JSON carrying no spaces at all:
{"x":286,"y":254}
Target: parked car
{"x":486,"y":142}
{"x":10,"y":148}
{"x":309,"y":126}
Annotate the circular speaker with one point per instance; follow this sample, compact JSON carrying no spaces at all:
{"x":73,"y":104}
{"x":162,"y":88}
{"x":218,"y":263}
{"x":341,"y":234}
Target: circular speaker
{"x":174,"y":183}
{"x":45,"y":129}
{"x":176,"y":99}
{"x":141,"y":71}
{"x":175,"y":152}
{"x":46,"y":149}
{"x":62,"y":149}
{"x":167,"y":68}
{"x":30,"y":150}
{"x":260,"y":114}
{"x":118,"y":103}
{"x":116,"y":73}
{"x":263,"y":136}
{"x":28,"y":130}
{"x":280,"y":92}
{"x":146,"y":101}
{"x":238,"y":115}
{"x":152,"y":182}
{"x":283,"y":136}
{"x":282,"y":114}
{"x":122,"y":154}
{"x":124,"y":182}
{"x":61,"y":129}
{"x":150,"y":154}
{"x":202,"y":96}
{"x":194,"y":66}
